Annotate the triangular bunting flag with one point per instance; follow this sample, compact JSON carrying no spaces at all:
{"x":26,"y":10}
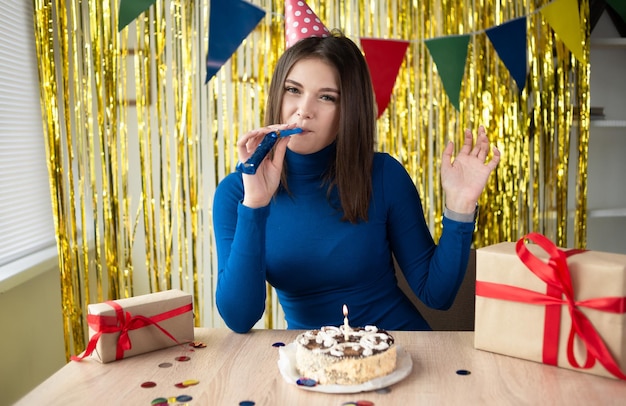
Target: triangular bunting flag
{"x":450,"y":54}
{"x":129,"y":10}
{"x":229,"y":24}
{"x":619,"y":6}
{"x":564,"y":18}
{"x":509,"y":41}
{"x":384,"y":58}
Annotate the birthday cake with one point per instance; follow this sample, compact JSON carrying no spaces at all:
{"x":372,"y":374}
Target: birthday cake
{"x":345,"y":355}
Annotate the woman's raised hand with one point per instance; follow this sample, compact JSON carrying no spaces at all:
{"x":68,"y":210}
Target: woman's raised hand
{"x":261,"y":186}
{"x":463,"y":178}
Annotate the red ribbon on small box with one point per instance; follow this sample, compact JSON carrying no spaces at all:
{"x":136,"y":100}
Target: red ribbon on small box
{"x":123,"y":323}
{"x":557,"y":276}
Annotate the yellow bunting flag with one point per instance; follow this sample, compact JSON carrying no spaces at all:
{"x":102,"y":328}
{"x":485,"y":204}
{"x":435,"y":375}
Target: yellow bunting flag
{"x":564,"y":18}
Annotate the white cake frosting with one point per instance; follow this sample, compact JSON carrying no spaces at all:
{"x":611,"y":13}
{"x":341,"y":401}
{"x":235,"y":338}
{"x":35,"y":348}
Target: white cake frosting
{"x":344,"y":355}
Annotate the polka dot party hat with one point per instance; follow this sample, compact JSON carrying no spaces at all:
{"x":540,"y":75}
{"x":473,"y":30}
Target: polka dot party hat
{"x":301,"y":22}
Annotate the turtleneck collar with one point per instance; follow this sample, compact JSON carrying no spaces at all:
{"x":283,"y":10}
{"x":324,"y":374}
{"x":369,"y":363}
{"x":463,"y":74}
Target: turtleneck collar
{"x":314,"y":164}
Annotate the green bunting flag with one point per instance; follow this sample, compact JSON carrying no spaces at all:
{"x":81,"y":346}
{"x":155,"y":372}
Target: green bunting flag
{"x":130,"y":9}
{"x":449,"y":54}
{"x":619,"y":6}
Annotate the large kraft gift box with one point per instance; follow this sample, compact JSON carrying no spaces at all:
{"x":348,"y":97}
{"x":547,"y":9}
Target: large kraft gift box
{"x":127,"y":327}
{"x":545,"y":304}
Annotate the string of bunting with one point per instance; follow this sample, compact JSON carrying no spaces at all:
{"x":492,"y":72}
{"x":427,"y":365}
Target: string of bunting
{"x":384,"y":56}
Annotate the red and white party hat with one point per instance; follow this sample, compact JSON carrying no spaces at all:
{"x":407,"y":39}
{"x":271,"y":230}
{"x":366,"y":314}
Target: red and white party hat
{"x":301,"y":22}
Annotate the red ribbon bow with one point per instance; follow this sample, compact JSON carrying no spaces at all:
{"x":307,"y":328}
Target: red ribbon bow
{"x":123,"y":323}
{"x":557,"y":276}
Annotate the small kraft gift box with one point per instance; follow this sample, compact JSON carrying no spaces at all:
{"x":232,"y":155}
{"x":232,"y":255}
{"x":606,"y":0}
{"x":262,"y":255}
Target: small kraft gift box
{"x":546,"y":304}
{"x":127,"y":327}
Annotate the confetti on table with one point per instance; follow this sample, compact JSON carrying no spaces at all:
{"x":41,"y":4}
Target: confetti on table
{"x":165,"y":365}
{"x":246,"y":403}
{"x":187,"y":383}
{"x":463,"y":372}
{"x":383,"y":390}
{"x":183,"y":398}
{"x":182,"y":358}
{"x":306,"y":382}
{"x":148,"y":384}
{"x":198,"y":344}
{"x":364,"y":403}
{"x":159,"y":402}
{"x":278,"y":344}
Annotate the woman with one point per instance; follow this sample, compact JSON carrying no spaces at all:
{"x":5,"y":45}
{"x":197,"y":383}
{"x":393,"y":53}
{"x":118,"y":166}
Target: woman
{"x":324,"y":214}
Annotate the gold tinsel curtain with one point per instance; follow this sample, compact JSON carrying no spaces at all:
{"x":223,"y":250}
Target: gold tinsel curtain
{"x":137,"y":142}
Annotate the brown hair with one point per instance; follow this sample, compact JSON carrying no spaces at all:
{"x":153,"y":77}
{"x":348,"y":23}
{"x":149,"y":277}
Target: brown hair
{"x":351,"y":172}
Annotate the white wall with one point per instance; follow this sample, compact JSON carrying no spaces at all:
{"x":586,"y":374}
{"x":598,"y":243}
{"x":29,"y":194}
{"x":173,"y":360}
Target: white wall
{"x":32,"y":343}
{"x":606,"y":189}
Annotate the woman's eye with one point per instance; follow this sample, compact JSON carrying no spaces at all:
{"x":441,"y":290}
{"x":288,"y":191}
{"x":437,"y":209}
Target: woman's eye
{"x":291,"y":89}
{"x":329,"y":98}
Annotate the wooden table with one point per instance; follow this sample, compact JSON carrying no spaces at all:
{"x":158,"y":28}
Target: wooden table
{"x":238,"y":367}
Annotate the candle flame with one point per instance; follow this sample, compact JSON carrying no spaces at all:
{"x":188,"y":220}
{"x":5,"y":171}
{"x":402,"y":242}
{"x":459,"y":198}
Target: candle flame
{"x":345,"y":310}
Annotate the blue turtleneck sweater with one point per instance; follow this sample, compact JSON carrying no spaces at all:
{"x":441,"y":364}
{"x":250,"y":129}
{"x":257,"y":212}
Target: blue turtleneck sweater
{"x":317,"y":263}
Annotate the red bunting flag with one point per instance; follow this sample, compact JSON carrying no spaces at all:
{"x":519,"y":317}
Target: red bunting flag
{"x":384,"y":58}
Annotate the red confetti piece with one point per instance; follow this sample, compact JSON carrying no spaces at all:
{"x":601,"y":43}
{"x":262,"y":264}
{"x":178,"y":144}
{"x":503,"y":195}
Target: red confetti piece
{"x":187,"y":383}
{"x":148,"y":384}
{"x":182,"y":358}
{"x":364,"y":403}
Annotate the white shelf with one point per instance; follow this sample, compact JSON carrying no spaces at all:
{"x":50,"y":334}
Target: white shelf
{"x":608,"y":43}
{"x":600,"y":213}
{"x":608,"y":123}
{"x":596,"y":213}
{"x":600,"y":123}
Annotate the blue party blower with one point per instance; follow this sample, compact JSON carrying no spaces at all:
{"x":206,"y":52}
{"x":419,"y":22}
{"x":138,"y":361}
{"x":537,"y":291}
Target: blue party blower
{"x":250,"y":166}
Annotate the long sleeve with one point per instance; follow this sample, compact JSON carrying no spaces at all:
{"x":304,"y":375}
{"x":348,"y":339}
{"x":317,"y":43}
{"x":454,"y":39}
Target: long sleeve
{"x":317,"y":263}
{"x":434,"y":272}
{"x":240,"y":242}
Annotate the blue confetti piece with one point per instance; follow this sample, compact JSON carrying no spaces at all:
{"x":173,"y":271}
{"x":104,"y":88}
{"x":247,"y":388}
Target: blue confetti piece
{"x":306,"y":382}
{"x":183,"y":398}
{"x":278,"y":344}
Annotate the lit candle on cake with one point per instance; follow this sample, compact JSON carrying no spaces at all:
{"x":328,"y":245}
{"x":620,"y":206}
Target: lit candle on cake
{"x":346,"y":326}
